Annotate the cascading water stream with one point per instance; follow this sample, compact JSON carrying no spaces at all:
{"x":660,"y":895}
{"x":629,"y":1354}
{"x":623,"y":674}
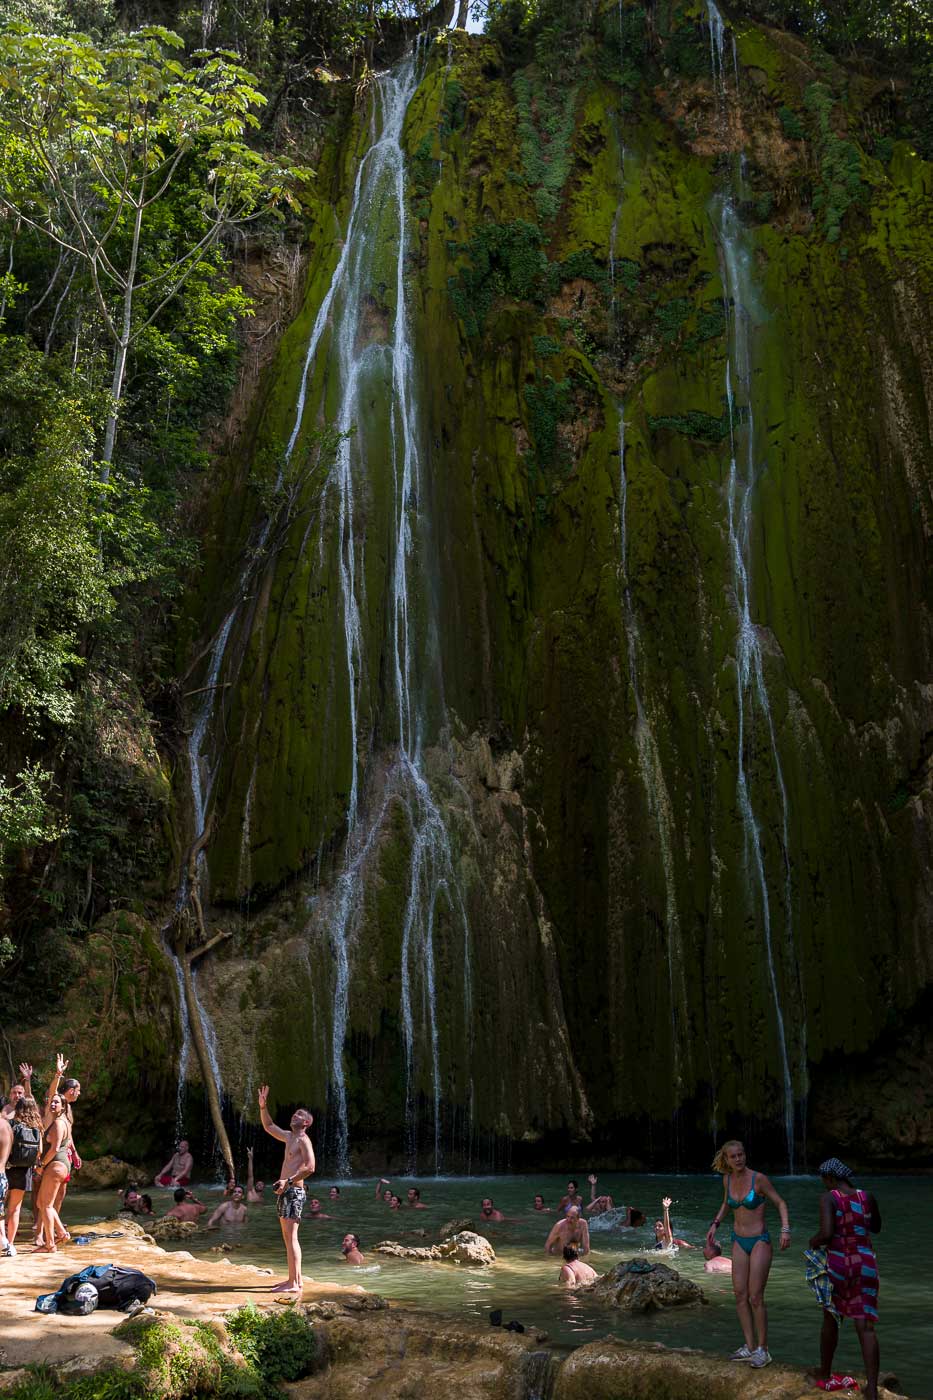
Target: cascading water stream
{"x":752,"y":699}
{"x":357,"y":364}
{"x":650,"y":767}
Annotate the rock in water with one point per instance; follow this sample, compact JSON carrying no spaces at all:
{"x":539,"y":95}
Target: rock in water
{"x":106,"y":1173}
{"x":454,"y":1227}
{"x":462,"y":1248}
{"x":465,"y":1247}
{"x":643,"y":1285}
{"x":171,"y":1229}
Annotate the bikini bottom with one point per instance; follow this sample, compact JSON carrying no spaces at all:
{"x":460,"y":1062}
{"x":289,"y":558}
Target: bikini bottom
{"x":748,"y":1242}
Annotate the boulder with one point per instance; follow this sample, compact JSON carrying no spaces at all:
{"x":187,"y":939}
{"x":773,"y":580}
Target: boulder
{"x":465,"y":1247}
{"x":171,"y":1229}
{"x":645,"y":1285}
{"x":109,"y":1174}
{"x":462,"y":1248}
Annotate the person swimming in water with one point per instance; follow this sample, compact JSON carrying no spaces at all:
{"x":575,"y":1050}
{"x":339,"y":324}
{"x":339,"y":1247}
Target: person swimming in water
{"x":597,"y":1205}
{"x":745,"y":1192}
{"x":664,"y":1237}
{"x":716,"y":1262}
{"x":574,"y":1273}
{"x":572,"y":1229}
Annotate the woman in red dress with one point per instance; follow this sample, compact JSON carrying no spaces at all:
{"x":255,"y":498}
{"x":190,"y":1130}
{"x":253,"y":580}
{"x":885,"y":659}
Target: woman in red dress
{"x":848,"y":1219}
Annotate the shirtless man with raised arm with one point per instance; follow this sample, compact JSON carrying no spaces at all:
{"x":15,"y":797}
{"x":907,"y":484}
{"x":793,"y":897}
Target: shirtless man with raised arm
{"x":297,"y":1164}
{"x":254,"y":1189}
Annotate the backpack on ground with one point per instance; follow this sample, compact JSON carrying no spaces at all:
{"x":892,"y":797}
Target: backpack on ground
{"x":119,"y":1288}
{"x":25,"y":1149}
{"x":99,"y":1286}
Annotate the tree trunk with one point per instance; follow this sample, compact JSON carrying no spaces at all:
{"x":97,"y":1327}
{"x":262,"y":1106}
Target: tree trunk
{"x":462,"y":14}
{"x":204,"y":1060}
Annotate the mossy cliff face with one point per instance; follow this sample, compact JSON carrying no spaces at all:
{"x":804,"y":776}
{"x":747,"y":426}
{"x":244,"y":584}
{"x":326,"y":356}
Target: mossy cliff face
{"x":581,"y":726}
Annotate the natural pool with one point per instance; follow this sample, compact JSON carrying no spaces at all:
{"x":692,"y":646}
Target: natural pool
{"x":523,"y":1281}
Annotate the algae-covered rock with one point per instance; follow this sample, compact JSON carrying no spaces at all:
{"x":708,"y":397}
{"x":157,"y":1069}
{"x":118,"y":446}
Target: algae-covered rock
{"x":643,"y":1285}
{"x":107,"y":1173}
{"x":171,"y":1229}
{"x":453,"y":1227}
{"x":463,"y":1248}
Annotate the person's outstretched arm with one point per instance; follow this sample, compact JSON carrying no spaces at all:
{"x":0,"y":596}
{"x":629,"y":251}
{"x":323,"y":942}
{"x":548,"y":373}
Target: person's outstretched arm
{"x":668,"y":1232}
{"x":585,"y":1246}
{"x":267,"y":1122}
{"x":592,"y":1180}
{"x":61,"y":1064}
{"x":553,"y":1237}
{"x":720,"y":1214}
{"x":215,"y":1217}
{"x":379,"y":1185}
{"x":874,"y":1215}
{"x":249,"y":1170}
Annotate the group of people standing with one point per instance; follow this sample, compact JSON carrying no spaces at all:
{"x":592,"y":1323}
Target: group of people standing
{"x":38,"y":1155}
{"x":842,"y":1267}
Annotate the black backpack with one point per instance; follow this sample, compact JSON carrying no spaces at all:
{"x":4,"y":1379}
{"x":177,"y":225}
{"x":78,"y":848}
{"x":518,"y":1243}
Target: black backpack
{"x":25,"y":1147}
{"x":116,"y":1288}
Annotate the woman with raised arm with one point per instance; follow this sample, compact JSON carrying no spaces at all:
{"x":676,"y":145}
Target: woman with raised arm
{"x":745,"y":1192}
{"x":69,"y":1090}
{"x":53,"y":1169}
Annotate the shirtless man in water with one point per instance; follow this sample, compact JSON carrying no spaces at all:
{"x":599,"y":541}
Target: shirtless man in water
{"x":297,"y":1164}
{"x":570,"y":1230}
{"x":232,"y":1212}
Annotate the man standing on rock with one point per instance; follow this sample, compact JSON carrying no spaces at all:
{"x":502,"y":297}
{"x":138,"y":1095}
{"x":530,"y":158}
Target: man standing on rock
{"x":297,"y":1164}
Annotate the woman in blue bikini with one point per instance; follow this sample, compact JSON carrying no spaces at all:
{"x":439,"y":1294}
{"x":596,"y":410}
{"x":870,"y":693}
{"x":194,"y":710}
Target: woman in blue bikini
{"x":745,"y":1192}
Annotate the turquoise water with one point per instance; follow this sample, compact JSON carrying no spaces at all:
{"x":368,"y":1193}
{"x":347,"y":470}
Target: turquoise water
{"x":523,"y":1281}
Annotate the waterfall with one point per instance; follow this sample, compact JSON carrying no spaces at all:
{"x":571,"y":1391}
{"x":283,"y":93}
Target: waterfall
{"x":357,"y":366}
{"x":650,"y":767}
{"x":651,"y":771}
{"x":752,"y":699}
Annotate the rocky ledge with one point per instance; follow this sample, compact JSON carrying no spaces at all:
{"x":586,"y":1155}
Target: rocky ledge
{"x":214,"y":1330}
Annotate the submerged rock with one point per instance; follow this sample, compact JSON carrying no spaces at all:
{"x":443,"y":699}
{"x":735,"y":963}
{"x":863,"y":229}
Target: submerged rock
{"x":171,"y":1229}
{"x":454,"y":1227}
{"x":465,"y":1247}
{"x":644,"y":1285}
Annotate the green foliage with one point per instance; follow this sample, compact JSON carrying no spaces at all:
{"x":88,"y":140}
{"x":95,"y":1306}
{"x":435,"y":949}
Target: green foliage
{"x":710,"y":325}
{"x":545,"y":128}
{"x":839,"y":163}
{"x":505,"y":260}
{"x":281,"y":1346}
{"x":791,"y":124}
{"x":627,"y":273}
{"x":549,"y":404}
{"x":693,"y":424}
{"x":670,"y":317}
{"x":54,"y":580}
{"x":545,"y":345}
{"x":686,"y":50}
{"x":182,"y":1361}
{"x":621,"y":47}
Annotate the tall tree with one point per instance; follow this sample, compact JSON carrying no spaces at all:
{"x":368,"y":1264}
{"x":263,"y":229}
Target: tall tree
{"x":92,"y":138}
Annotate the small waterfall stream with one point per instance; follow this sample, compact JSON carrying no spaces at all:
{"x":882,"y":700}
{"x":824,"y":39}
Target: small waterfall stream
{"x":650,"y":767}
{"x":752,"y":698}
{"x":358,"y":365}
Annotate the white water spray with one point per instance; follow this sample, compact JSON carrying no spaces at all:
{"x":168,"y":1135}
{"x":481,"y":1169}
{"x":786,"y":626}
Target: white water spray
{"x":752,"y":699}
{"x":362,"y":369}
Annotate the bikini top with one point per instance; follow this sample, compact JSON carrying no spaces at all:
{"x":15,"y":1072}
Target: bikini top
{"x":752,"y":1201}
